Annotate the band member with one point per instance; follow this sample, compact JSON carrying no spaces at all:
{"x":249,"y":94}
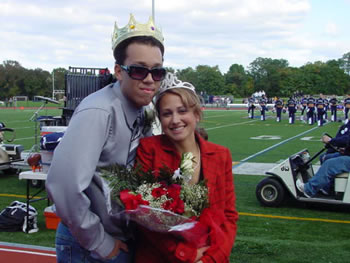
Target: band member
{"x":292,"y":109}
{"x":333,"y":103}
{"x":279,"y":108}
{"x":320,"y":111}
{"x":303,"y":107}
{"x":326,"y":107}
{"x":346,"y":106}
{"x":310,"y":112}
{"x":251,"y":107}
{"x":263,"y":108}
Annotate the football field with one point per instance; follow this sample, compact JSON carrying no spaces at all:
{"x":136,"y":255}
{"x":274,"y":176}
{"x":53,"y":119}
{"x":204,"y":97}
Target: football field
{"x":294,"y":232}
{"x":246,"y":137}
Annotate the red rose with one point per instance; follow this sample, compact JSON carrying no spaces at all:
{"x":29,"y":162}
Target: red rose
{"x":177,"y":206}
{"x":166,"y":205}
{"x":174,"y":191}
{"x":131,"y":201}
{"x":140,"y":200}
{"x":158,"y":192}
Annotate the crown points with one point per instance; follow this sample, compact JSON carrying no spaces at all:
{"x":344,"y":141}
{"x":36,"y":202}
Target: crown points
{"x":133,"y":29}
{"x":172,"y":82}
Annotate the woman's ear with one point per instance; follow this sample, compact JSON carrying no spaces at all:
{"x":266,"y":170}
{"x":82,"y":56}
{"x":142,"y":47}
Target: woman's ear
{"x":197,"y":117}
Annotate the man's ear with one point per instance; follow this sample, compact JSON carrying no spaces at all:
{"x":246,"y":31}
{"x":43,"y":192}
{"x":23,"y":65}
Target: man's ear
{"x":118,"y":72}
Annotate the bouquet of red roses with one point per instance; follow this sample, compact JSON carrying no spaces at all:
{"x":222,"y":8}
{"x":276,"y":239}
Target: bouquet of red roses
{"x":165,"y":204}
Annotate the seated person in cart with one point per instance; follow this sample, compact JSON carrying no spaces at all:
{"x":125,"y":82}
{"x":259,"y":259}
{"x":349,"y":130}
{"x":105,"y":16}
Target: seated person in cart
{"x":324,"y":177}
{"x":340,"y":141}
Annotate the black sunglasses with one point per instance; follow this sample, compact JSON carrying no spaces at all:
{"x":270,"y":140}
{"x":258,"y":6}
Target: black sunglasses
{"x":140,"y":72}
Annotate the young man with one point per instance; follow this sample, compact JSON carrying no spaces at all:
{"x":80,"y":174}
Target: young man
{"x":310,"y":112}
{"x":263,"y":108}
{"x":320,"y":106}
{"x":104,"y":130}
{"x":292,"y":109}
{"x":333,"y":102}
{"x":303,"y":106}
{"x":251,"y":107}
{"x":279,"y":108}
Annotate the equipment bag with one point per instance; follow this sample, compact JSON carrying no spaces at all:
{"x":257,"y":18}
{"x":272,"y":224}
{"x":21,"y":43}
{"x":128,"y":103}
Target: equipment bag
{"x":14,"y":218}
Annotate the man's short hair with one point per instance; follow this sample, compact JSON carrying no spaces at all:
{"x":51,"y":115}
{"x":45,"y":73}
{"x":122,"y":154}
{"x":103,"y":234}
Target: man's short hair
{"x":120,"y":50}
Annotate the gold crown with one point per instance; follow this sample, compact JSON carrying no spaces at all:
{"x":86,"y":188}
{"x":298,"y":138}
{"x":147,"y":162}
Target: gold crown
{"x":133,"y":29}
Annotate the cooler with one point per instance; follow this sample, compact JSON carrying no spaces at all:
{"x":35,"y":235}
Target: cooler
{"x":51,"y":219}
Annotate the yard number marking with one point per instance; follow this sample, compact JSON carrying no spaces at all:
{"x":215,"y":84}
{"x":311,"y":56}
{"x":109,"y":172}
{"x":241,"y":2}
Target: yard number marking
{"x":266,"y":137}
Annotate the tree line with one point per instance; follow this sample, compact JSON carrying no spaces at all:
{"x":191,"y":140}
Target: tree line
{"x":274,"y":76}
{"x":16,"y":80}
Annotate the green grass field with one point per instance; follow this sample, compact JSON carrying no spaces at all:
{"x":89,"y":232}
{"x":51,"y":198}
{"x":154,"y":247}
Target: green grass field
{"x":284,"y":234}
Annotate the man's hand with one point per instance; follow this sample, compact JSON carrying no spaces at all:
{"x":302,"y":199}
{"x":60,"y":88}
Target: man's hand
{"x":326,"y":139}
{"x":118,"y":245}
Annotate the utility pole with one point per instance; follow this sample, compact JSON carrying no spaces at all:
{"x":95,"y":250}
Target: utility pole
{"x":153,"y":11}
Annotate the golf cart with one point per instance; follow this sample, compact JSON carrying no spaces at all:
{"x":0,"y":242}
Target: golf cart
{"x":9,"y":153}
{"x":273,"y":190}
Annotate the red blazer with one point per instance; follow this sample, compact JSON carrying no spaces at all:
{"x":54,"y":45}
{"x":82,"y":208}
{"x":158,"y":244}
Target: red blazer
{"x":216,"y":166}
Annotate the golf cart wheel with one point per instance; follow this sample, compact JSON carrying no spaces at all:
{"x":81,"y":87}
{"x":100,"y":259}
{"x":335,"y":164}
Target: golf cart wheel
{"x":36,"y":183}
{"x":270,"y":192}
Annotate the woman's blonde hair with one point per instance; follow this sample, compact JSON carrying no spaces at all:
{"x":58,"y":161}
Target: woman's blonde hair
{"x":188,"y":97}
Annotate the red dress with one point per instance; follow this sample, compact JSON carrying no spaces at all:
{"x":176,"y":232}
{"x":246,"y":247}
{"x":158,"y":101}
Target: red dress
{"x":216,"y":167}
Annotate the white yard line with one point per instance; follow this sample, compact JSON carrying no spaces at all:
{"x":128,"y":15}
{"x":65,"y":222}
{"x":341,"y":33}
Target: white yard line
{"x":229,"y":125}
{"x":22,"y":139}
{"x":215,"y":116}
{"x":274,"y":146}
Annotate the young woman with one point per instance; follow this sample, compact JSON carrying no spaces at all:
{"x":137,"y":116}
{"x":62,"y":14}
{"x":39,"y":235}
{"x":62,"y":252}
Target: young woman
{"x":179,"y":111}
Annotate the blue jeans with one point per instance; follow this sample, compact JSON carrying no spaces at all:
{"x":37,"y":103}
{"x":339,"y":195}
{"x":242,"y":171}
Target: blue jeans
{"x":325,"y":175}
{"x":68,"y":250}
{"x":326,"y":156}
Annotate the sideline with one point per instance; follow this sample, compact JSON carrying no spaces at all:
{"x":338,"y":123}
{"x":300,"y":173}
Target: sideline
{"x":296,"y":218}
{"x":19,"y":196}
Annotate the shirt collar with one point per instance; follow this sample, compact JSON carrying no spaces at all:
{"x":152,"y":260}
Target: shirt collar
{"x":130,"y":111}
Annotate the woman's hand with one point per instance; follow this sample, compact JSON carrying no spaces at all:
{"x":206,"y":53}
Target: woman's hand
{"x":200,"y":252}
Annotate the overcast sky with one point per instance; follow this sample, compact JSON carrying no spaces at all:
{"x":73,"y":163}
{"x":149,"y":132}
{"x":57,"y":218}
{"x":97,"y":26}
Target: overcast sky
{"x":49,"y":34}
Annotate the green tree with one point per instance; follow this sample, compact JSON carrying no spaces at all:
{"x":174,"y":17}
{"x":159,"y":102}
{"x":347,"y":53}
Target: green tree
{"x":236,"y":80}
{"x":326,"y":78}
{"x":13,"y":75}
{"x":345,"y":63}
{"x":206,"y":79}
{"x":210,"y":80}
{"x":188,"y":74}
{"x":268,"y":75}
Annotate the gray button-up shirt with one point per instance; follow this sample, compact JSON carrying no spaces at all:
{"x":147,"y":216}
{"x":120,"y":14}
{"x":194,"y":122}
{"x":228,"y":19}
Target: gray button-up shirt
{"x":98,"y":135}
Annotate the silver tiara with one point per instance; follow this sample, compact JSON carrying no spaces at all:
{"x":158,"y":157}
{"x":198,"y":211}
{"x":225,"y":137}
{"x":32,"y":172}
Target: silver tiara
{"x":172,"y":82}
